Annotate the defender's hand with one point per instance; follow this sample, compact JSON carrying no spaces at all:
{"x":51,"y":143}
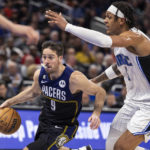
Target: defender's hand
{"x":56,"y":18}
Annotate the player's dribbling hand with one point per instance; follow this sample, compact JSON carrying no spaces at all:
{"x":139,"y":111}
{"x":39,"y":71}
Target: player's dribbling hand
{"x":4,"y":104}
{"x":95,"y":121}
{"x":56,"y":18}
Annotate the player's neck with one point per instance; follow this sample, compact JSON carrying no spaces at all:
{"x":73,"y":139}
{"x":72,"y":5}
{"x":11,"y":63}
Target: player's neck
{"x":58,"y":73}
{"x":124,"y":29}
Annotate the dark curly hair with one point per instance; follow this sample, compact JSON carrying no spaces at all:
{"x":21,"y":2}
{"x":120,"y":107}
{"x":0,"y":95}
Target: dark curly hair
{"x":127,"y":10}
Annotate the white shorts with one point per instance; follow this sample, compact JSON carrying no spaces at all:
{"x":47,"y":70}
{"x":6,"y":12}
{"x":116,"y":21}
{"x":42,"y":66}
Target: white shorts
{"x":133,"y":118}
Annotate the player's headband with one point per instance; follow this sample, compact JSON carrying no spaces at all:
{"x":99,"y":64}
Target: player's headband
{"x":115,"y":11}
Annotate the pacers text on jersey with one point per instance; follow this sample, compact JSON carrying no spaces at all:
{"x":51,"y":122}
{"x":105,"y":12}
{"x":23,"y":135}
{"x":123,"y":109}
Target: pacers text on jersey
{"x":54,"y":92}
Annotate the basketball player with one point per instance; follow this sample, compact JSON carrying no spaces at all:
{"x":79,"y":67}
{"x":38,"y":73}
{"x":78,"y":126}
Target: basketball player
{"x":22,"y":30}
{"x":131,"y":46}
{"x":62,"y":91}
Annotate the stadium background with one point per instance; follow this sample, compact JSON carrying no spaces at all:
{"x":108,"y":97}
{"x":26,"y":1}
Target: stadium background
{"x":18,"y":62}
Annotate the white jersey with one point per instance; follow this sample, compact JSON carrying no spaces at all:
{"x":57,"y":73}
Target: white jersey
{"x":136,"y":72}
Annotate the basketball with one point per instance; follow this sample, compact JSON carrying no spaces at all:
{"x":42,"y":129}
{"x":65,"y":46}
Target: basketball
{"x":9,"y":120}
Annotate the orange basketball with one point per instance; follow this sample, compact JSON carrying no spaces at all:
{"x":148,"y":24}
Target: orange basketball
{"x":9,"y":120}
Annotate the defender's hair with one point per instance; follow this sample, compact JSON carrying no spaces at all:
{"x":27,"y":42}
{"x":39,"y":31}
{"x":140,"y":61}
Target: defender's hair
{"x":127,"y":10}
{"x":54,"y":46}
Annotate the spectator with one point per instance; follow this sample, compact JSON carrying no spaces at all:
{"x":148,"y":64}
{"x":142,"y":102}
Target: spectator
{"x":54,"y":36}
{"x":92,"y":71}
{"x":99,"y":62}
{"x":111,"y":101}
{"x":85,"y":56}
{"x":5,"y":91}
{"x":70,"y":60}
{"x":3,"y":59}
{"x":108,"y":60}
{"x":14,"y":75}
{"x":29,"y":60}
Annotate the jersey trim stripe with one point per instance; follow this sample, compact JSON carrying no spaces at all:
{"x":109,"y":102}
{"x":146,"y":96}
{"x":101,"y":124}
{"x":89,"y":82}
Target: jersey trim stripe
{"x":145,"y":131}
{"x":72,"y":101}
{"x":66,"y":134}
{"x":139,"y":65}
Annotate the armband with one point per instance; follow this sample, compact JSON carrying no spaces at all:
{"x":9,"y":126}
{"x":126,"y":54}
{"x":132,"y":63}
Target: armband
{"x":110,"y":73}
{"x":91,"y":36}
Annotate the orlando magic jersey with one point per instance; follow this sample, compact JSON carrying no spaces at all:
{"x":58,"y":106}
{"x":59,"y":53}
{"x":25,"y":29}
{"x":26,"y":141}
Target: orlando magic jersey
{"x":136,"y":72}
{"x":61,"y":107}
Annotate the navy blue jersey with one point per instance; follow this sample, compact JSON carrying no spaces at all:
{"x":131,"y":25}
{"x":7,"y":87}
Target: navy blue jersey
{"x":61,"y":107}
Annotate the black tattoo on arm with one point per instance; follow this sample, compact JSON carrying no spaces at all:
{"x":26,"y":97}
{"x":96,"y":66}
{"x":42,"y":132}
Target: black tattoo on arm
{"x":99,"y":78}
{"x":103,"y":76}
{"x":114,"y":66}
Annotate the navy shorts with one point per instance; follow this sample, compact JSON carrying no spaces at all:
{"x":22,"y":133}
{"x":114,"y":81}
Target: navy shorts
{"x":53,"y":138}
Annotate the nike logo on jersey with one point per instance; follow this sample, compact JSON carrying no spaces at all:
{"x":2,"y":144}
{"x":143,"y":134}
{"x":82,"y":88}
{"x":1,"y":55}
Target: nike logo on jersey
{"x":57,"y":127}
{"x":43,"y":81}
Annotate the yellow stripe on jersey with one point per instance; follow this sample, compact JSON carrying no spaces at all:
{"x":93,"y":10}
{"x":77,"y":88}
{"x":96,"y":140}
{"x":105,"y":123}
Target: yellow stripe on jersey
{"x":63,"y":135}
{"x":72,"y":101}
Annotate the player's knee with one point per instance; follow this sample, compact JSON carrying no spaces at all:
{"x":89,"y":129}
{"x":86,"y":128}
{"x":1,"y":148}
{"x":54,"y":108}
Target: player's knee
{"x":25,"y":148}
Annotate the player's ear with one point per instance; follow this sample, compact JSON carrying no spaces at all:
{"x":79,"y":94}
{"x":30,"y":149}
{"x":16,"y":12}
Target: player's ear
{"x":60,"y":58}
{"x":122,"y":21}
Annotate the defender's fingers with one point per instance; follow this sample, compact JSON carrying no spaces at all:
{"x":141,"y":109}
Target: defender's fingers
{"x":52,"y":22}
{"x":52,"y":13}
{"x":50,"y":17}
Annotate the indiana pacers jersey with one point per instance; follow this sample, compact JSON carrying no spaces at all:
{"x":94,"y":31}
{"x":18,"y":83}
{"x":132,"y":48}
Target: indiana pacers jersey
{"x":136,"y":72}
{"x":61,"y":107}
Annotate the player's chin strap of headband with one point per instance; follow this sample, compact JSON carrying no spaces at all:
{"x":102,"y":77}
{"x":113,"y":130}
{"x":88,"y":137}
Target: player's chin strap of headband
{"x":115,"y":11}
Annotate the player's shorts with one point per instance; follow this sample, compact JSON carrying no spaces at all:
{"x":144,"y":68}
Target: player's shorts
{"x":54,"y":138}
{"x":140,"y":123}
{"x":133,"y":118}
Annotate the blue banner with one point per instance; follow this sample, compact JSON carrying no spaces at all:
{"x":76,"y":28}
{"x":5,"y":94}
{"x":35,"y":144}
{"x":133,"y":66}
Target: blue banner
{"x":84,"y":136}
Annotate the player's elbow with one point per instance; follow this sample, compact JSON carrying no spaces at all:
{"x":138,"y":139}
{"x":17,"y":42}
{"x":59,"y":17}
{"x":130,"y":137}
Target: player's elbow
{"x":35,"y":94}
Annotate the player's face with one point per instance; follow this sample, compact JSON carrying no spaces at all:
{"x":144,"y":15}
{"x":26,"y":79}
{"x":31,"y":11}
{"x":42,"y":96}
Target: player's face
{"x":111,"y":24}
{"x":50,"y":60}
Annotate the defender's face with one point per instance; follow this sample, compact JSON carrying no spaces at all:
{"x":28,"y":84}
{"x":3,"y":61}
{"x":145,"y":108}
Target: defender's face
{"x":50,"y":60}
{"x":111,"y":24}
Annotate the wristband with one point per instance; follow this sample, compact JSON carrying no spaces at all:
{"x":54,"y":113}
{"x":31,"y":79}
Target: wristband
{"x":110,"y":73}
{"x":91,"y":36}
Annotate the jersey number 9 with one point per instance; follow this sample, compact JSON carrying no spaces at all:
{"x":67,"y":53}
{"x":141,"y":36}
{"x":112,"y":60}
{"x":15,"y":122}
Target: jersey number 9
{"x":53,"y":105}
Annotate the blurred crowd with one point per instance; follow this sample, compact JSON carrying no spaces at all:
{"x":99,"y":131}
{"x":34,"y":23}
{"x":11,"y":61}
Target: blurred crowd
{"x":19,"y":61}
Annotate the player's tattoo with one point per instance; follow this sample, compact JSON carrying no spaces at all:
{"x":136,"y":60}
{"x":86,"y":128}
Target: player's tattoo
{"x":114,"y":66}
{"x":103,"y":76}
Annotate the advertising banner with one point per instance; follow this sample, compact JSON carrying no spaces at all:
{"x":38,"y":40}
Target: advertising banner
{"x":84,"y":136}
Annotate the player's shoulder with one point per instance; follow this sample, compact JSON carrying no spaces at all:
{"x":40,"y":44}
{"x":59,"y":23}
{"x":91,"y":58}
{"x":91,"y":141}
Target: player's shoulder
{"x":77,"y":73}
{"x":135,"y":35}
{"x":37,"y":73}
{"x":76,"y":76}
